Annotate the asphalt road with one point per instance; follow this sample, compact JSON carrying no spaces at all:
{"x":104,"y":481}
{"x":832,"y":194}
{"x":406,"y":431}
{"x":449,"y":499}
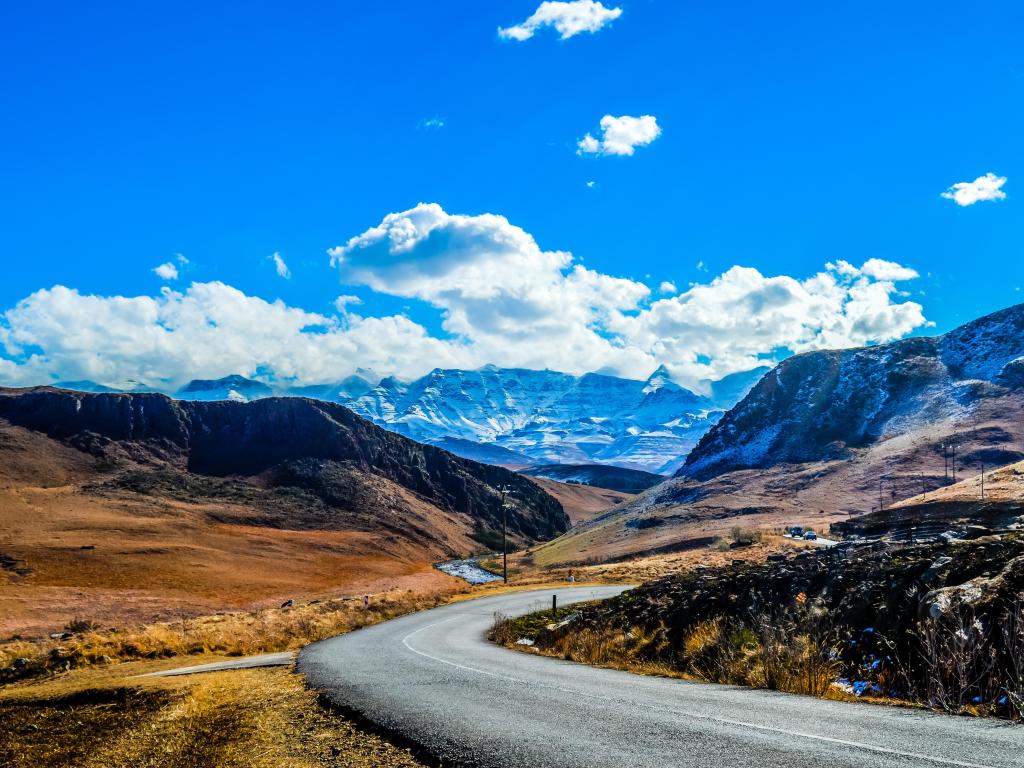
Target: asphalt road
{"x":434,"y":679}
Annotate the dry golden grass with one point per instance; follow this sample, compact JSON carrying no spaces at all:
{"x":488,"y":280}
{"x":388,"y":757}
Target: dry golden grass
{"x":231,"y":634}
{"x":792,"y":656}
{"x":261,"y":718}
{"x":1001,"y":484}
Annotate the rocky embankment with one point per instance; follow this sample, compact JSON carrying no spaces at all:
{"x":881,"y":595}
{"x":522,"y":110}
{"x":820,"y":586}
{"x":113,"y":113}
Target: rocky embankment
{"x":903,"y":619}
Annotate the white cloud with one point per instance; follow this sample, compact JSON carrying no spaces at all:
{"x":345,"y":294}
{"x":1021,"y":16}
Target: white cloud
{"x":987,"y":187}
{"x":620,"y":135}
{"x":667,"y":286}
{"x":166,"y":271}
{"x":432,"y":123}
{"x":280,"y":266}
{"x":568,"y":19}
{"x":591,"y":184}
{"x":208,"y":331}
{"x":501,"y":298}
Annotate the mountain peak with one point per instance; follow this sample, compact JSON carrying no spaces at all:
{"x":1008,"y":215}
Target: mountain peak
{"x":660,"y":379}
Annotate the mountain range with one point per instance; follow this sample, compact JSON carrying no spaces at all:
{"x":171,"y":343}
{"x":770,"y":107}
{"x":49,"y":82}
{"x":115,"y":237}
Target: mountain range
{"x":832,"y":434}
{"x":519,"y":417}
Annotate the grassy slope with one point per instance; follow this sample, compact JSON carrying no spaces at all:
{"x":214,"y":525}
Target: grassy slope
{"x":582,"y":502}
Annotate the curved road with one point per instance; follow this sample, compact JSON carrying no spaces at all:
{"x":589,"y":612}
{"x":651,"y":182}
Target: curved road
{"x":434,"y":679}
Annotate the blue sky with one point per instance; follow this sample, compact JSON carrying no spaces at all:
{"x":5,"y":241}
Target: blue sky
{"x":791,"y":135}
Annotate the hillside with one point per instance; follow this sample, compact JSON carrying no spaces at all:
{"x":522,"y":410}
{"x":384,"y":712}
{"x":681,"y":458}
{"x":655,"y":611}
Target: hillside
{"x":825,"y":434}
{"x":582,"y":502}
{"x":965,"y":508}
{"x":136,"y":505}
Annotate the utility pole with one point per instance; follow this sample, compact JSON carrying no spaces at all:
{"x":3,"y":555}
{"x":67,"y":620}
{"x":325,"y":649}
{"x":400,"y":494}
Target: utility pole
{"x":881,"y":505}
{"x":953,"y":463}
{"x":504,"y":533}
{"x":945,"y":461}
{"x":982,"y":479}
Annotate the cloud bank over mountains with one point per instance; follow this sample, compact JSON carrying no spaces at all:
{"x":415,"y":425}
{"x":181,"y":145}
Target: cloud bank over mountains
{"x":501,"y":299}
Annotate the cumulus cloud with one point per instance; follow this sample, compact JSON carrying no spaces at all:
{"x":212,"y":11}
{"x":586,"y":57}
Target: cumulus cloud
{"x":987,"y":187}
{"x":508,"y":300}
{"x":568,"y":19}
{"x":741,"y":316}
{"x":501,"y":298}
{"x":279,"y":266}
{"x":166,"y":271}
{"x":620,"y":135}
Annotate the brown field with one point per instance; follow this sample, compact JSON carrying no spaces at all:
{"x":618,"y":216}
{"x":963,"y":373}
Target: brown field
{"x":126,"y":558}
{"x":150,"y":561}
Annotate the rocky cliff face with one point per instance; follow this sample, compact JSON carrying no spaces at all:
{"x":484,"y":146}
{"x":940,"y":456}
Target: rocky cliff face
{"x":320,"y":447}
{"x":820,"y":405}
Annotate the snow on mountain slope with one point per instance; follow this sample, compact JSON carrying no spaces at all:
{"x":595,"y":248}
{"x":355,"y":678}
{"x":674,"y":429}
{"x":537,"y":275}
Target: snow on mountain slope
{"x":822,"y":405}
{"x":518,"y":416}
{"x":549,"y":416}
{"x":833,"y":434}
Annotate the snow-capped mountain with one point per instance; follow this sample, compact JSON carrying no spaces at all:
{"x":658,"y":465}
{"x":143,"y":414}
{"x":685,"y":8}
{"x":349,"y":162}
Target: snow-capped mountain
{"x":515,"y":415}
{"x":821,"y":406}
{"x":548,"y":416}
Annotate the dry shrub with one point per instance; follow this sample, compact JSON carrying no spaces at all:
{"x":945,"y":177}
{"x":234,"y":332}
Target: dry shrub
{"x":601,"y":647}
{"x":503,"y":631}
{"x":795,"y":653}
{"x":965,"y":663}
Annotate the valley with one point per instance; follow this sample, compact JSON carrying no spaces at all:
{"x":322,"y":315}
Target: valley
{"x":136,"y":508}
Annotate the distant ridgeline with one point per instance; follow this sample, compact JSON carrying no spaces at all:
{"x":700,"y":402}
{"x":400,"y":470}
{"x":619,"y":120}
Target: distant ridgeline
{"x":513,"y":416}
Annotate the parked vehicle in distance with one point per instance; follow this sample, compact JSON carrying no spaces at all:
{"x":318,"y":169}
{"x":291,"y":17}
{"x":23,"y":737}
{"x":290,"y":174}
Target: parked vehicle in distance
{"x":810,"y":536}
